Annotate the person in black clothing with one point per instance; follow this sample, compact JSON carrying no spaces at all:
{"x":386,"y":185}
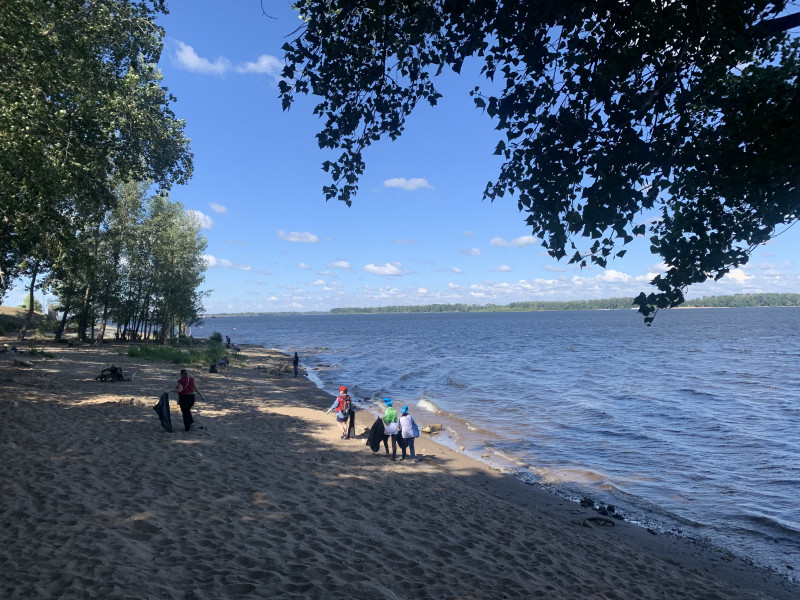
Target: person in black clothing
{"x":295,"y":363}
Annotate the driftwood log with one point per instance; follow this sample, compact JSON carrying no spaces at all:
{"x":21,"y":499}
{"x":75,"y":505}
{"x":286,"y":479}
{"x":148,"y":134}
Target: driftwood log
{"x":112,"y":373}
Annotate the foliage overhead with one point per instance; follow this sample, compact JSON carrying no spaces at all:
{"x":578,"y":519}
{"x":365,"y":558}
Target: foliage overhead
{"x":675,"y":120}
{"x":81,"y":106}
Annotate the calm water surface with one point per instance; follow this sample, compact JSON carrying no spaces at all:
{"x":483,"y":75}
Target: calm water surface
{"x":691,"y":425}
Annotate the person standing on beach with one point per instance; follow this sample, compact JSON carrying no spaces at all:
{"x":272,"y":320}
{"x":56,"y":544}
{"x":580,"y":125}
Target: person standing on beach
{"x":295,"y":363}
{"x":390,"y":427}
{"x":186,"y":389}
{"x":343,"y":407}
{"x":409,"y":431}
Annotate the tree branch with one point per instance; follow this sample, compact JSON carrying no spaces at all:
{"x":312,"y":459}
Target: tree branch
{"x":778,"y":25}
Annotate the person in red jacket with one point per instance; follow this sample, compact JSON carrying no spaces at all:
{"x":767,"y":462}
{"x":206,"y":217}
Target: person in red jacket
{"x":343,"y":408}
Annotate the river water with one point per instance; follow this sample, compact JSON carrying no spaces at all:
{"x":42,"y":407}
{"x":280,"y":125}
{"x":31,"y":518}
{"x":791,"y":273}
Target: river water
{"x":690,"y":426}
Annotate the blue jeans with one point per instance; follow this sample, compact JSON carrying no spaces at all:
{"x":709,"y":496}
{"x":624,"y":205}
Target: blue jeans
{"x":410,"y":445}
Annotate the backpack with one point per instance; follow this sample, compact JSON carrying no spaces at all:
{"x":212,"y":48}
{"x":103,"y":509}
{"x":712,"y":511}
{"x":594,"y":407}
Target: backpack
{"x":345,"y":405}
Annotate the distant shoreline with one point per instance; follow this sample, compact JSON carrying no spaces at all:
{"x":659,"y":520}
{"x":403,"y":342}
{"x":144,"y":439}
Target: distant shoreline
{"x":735,"y":301}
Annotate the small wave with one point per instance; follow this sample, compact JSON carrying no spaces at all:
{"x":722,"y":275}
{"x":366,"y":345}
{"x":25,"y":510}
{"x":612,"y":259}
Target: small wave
{"x":428,"y":406}
{"x":698,"y":393}
{"x":457,"y":384}
{"x":773,"y":526}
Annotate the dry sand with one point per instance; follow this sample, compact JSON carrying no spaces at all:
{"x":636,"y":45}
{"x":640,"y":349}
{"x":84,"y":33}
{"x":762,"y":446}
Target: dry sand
{"x":267,"y":502}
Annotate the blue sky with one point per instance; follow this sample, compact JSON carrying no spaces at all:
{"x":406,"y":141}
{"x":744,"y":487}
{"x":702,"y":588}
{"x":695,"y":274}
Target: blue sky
{"x":417,"y":233}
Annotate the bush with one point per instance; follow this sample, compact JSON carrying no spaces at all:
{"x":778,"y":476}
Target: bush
{"x":202,"y":355}
{"x":46,"y":325}
{"x":166,"y":353}
{"x":34,"y":351}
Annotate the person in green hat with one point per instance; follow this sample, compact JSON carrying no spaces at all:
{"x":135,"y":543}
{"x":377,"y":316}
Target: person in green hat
{"x":391,"y":427}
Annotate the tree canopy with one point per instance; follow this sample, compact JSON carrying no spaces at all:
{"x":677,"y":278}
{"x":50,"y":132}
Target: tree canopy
{"x":675,"y":120}
{"x":139,"y":267}
{"x":81,"y":110}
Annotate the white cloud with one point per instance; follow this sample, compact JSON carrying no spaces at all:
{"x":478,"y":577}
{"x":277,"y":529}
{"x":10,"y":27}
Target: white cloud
{"x":407,"y":184}
{"x":422,"y":290}
{"x":392,"y":269}
{"x":204,"y":220}
{"x":520,"y":242}
{"x":303,"y":265}
{"x":296,"y":236}
{"x":457,"y":271}
{"x":453,"y":286}
{"x":318,"y":282}
{"x":468,"y":233}
{"x":612,"y":276}
{"x":340,"y":264}
{"x":471,"y":251}
{"x":218,"y":208}
{"x":503,"y":269}
{"x":264,"y":64}
{"x":738,"y":275}
{"x":407,"y":241}
{"x":223,"y":263}
{"x":552,"y":269}
{"x":188,"y":59}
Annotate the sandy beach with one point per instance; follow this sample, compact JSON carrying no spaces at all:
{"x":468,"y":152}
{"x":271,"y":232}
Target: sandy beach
{"x":266,"y":501}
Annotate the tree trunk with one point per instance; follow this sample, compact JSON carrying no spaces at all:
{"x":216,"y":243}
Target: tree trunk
{"x":107,"y":296}
{"x":29,"y":316}
{"x":63,"y":324}
{"x":83,"y":324}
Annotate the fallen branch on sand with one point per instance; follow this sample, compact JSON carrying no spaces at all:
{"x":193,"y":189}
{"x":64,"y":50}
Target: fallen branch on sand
{"x":113,"y":373}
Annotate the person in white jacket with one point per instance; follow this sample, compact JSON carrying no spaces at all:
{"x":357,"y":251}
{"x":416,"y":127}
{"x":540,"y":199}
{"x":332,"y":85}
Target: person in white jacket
{"x":409,"y":431}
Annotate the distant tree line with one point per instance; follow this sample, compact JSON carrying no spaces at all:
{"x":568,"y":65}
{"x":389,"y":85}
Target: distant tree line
{"x":746,"y":300}
{"x":600,"y":304}
{"x":735,"y":301}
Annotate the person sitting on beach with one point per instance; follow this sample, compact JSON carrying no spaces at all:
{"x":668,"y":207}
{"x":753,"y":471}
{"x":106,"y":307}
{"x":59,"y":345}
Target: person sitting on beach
{"x":343,"y":407}
{"x":408,"y":431}
{"x":390,"y":427}
{"x":186,"y":389}
{"x":224,"y":363}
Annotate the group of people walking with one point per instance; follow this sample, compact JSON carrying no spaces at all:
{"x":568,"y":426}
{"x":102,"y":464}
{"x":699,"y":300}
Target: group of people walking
{"x":401,"y":429}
